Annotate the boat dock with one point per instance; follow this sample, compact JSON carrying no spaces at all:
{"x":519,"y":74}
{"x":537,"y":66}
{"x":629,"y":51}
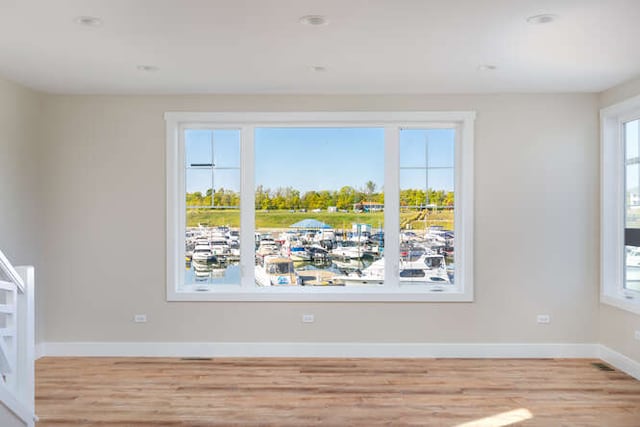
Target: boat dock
{"x":317,"y":277}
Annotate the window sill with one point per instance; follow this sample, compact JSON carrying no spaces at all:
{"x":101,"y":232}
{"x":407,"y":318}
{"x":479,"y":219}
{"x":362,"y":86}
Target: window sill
{"x":628,"y":302}
{"x":321,"y":295}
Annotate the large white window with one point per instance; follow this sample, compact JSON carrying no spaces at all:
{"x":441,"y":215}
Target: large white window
{"x":320,"y":206}
{"x":620,"y":210}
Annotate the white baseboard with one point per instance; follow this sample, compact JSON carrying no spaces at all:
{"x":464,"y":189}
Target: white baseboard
{"x":620,"y":361}
{"x":39,"y":351}
{"x":325,"y":349}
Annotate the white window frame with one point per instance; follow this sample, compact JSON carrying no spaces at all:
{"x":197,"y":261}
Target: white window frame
{"x":462,"y":121}
{"x":612,"y":205}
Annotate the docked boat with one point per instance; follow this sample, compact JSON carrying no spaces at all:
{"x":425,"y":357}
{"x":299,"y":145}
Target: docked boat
{"x":318,"y":254}
{"x":234,"y":247}
{"x":293,"y":248}
{"x":298,"y":253}
{"x":348,"y":250}
{"x":276,"y":271}
{"x":220,"y":247}
{"x":428,"y":269}
{"x":267,"y":246}
{"x":203,"y":253}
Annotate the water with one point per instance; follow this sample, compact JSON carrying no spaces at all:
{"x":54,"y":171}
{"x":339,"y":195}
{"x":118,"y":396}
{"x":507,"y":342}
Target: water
{"x":215,"y":274}
{"x":212,"y":274}
{"x":199,"y":274}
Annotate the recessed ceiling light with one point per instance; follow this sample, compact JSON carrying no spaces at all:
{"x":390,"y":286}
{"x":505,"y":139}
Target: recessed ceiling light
{"x":545,"y":18}
{"x":487,"y":67}
{"x":147,"y":68}
{"x":319,"y":68}
{"x":314,"y":20}
{"x":88,"y":21}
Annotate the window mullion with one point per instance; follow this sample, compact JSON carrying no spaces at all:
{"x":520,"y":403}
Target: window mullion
{"x":464,"y":207}
{"x":247,"y":207}
{"x":181,"y":185}
{"x":391,"y":206}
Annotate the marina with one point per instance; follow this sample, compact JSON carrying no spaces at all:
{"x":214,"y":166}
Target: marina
{"x":318,"y":256}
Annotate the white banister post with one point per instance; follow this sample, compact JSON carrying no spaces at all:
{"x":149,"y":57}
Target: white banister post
{"x":25,"y":334}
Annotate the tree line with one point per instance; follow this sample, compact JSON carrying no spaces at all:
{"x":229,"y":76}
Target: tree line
{"x":344,"y":199}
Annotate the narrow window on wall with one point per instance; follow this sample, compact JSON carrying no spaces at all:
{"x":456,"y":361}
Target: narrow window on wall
{"x":212,"y":207}
{"x":427,"y":189}
{"x":620,"y":205}
{"x":631,"y":135}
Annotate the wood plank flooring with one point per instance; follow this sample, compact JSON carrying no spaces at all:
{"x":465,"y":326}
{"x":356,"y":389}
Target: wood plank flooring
{"x":334,"y":392}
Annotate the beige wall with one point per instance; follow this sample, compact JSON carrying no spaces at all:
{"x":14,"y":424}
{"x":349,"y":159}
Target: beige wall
{"x":20,"y":110}
{"x":536,"y":225}
{"x":20,"y":120}
{"x":616,"y":326}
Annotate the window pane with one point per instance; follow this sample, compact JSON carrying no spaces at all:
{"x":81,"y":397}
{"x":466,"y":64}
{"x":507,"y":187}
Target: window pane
{"x":212,"y":243}
{"x":226,"y":184}
{"x":319,"y":206}
{"x":632,"y":195}
{"x":427,"y":207}
{"x":226,"y":148}
{"x":198,"y":147}
{"x":632,"y":172}
{"x":198,"y":186}
{"x":632,"y":205}
{"x":632,"y":271}
{"x":427,"y":147}
{"x":440,"y":143}
{"x":413,"y":148}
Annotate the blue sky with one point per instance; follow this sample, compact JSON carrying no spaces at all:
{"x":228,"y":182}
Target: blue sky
{"x":321,"y":158}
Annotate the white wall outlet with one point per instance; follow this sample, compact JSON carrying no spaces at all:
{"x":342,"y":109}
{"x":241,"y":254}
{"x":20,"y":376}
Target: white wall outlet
{"x":140,"y":318}
{"x":637,"y":335}
{"x":543,"y":318}
{"x":308,"y":318}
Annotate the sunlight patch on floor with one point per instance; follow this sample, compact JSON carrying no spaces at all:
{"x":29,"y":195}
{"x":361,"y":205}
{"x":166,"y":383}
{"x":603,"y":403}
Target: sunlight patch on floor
{"x":502,"y":419}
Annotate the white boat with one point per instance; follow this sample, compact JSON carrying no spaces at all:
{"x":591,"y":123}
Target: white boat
{"x":325,"y":237}
{"x":348,"y":250}
{"x":267,"y":246}
{"x":233,"y":235}
{"x":293,"y":248}
{"x":220,"y":247}
{"x":298,"y":253}
{"x":276,"y":271}
{"x":203,"y":253}
{"x":234,"y":246}
{"x":428,"y":269}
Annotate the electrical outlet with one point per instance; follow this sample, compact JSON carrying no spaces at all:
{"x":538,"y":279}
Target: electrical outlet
{"x":140,"y":318}
{"x":544,"y":318}
{"x":637,"y":335}
{"x":308,"y":318}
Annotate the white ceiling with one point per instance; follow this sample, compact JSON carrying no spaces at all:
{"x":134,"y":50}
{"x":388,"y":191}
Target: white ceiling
{"x":369,"y":46}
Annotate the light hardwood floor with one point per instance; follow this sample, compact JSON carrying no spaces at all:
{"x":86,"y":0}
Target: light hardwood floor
{"x":336,"y":392}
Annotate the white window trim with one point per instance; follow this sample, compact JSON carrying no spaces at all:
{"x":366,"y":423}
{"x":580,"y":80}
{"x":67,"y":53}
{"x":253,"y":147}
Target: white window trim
{"x":612,"y":219}
{"x":462,"y":291}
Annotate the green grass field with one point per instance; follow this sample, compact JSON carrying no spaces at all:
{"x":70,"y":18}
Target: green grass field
{"x":415,"y":220}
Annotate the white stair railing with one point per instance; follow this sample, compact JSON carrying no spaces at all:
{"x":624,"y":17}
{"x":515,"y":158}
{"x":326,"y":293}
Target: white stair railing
{"x":17,"y":340}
